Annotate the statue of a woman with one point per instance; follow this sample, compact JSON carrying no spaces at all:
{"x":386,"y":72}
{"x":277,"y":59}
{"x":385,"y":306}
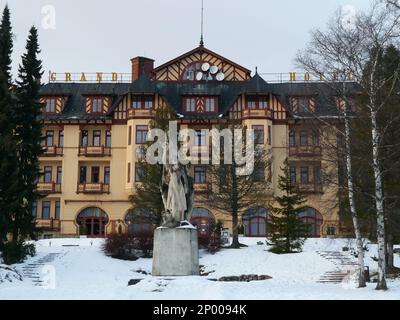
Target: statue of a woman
{"x":177,"y":194}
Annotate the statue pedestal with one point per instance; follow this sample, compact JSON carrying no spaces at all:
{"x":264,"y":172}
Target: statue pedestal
{"x":175,"y":252}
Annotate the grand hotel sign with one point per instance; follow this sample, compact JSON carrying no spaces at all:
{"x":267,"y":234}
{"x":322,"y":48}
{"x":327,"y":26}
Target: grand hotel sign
{"x":114,"y":77}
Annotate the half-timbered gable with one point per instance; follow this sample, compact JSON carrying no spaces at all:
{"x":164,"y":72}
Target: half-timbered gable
{"x":186,"y":66}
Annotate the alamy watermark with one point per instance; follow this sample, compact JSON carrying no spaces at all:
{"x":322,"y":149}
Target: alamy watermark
{"x":49,"y":17}
{"x":189,"y":146}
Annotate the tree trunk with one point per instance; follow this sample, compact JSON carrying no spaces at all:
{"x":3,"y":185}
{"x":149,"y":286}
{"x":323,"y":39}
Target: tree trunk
{"x":235,"y":231}
{"x":380,"y":215}
{"x":234,"y":207}
{"x":350,"y":185}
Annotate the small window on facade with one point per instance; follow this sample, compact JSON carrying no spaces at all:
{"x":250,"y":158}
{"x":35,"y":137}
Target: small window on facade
{"x":251,"y":103}
{"x":57,"y":213}
{"x":61,"y":138}
{"x":34,"y":209}
{"x":317,"y":175}
{"x":200,"y":138}
{"x":141,"y":134}
{"x":258,"y":134}
{"x":95,"y":175}
{"x":315,"y":139}
{"x":304,"y":175}
{"x":148,"y":102}
{"x":97,"y":105}
{"x":82,"y":174}
{"x":293,"y":177}
{"x":136,"y":102}
{"x":263,"y":103}
{"x":269,"y":135}
{"x":59,"y":175}
{"x":190,"y":105}
{"x":47,"y":174}
{"x":259,"y":173}
{"x":96,"y":138}
{"x":108,"y":139}
{"x":292,"y":138}
{"x":50,"y":105}
{"x":46,"y":209}
{"x":304,"y":104}
{"x":303,"y":138}
{"x":210,"y":104}
{"x":49,"y":138}
{"x":138,"y":173}
{"x":84,"y":138}
{"x":107,"y":175}
{"x":199,"y":175}
{"x":129,"y":135}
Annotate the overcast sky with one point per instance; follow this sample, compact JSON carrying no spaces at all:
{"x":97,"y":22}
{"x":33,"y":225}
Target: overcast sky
{"x":103,"y":35}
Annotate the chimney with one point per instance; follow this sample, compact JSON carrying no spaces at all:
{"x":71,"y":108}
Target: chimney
{"x":141,"y":66}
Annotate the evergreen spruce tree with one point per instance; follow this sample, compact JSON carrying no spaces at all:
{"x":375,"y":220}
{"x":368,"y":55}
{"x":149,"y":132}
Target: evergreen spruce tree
{"x":8,"y":159}
{"x":6,"y":45}
{"x":287,"y":229}
{"x":28,"y":133}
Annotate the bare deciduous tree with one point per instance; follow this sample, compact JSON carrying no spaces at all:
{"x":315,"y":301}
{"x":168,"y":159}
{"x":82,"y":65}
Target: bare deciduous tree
{"x":351,"y":48}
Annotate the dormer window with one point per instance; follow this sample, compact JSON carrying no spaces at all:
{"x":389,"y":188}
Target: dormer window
{"x":200,"y":104}
{"x":257,"y":102}
{"x":142,"y":102}
{"x":302,"y":104}
{"x":97,"y":104}
{"x":52,"y":104}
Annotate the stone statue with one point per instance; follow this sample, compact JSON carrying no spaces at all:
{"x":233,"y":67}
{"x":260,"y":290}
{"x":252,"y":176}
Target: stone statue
{"x":177,"y":195}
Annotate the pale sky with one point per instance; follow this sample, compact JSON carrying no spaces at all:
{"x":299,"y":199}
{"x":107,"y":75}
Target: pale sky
{"x":103,"y":35}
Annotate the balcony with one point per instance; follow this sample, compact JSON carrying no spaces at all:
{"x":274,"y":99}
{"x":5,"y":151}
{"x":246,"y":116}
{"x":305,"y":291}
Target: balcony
{"x":308,"y":188}
{"x":141,"y":113}
{"x":257,"y":113}
{"x":48,"y":187}
{"x":53,"y":151}
{"x":48,"y":224}
{"x":100,"y":151}
{"x":93,"y":188}
{"x":202,"y":187}
{"x":305,"y":151}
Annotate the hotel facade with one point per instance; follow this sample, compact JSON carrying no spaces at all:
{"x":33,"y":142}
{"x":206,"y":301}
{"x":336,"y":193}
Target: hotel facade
{"x":94,"y":126}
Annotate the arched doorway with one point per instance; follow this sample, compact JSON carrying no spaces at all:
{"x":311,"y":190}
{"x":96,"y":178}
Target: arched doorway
{"x":92,"y":222}
{"x":140,"y":221}
{"x":204,"y":220}
{"x":255,"y":222}
{"x":313,"y":219}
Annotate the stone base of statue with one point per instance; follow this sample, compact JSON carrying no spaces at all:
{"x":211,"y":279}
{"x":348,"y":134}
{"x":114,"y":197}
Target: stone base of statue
{"x":175,"y":252}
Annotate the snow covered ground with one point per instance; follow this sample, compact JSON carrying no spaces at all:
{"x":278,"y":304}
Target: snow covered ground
{"x":83,"y":272}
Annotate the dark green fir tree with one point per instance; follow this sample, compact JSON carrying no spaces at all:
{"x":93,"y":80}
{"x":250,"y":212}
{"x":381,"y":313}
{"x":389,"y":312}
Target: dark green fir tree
{"x":288,"y":232}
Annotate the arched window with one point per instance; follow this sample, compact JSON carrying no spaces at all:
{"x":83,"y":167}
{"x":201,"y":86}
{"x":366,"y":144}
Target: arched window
{"x":313,"y":219}
{"x":255,"y":222}
{"x":203,"y":219}
{"x":140,"y":221}
{"x":92,"y":222}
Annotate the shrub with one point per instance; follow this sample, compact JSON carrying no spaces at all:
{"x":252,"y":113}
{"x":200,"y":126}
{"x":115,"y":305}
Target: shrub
{"x":16,"y":252}
{"x":129,"y":247}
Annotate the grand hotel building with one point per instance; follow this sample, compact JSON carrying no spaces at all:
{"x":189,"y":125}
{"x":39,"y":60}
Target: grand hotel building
{"x":94,"y":125}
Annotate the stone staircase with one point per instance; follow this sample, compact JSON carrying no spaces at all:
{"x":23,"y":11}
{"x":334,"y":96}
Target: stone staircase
{"x":346,"y":265}
{"x":32,"y":271}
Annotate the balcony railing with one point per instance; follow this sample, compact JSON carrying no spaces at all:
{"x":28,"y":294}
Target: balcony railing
{"x":49,"y":187}
{"x":141,"y":113}
{"x":257,"y":113}
{"x":93,"y":188}
{"x":53,"y":151}
{"x":305,"y":151}
{"x":90,"y":151}
{"x":202,"y":187}
{"x":48,"y":224}
{"x":309,"y":188}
